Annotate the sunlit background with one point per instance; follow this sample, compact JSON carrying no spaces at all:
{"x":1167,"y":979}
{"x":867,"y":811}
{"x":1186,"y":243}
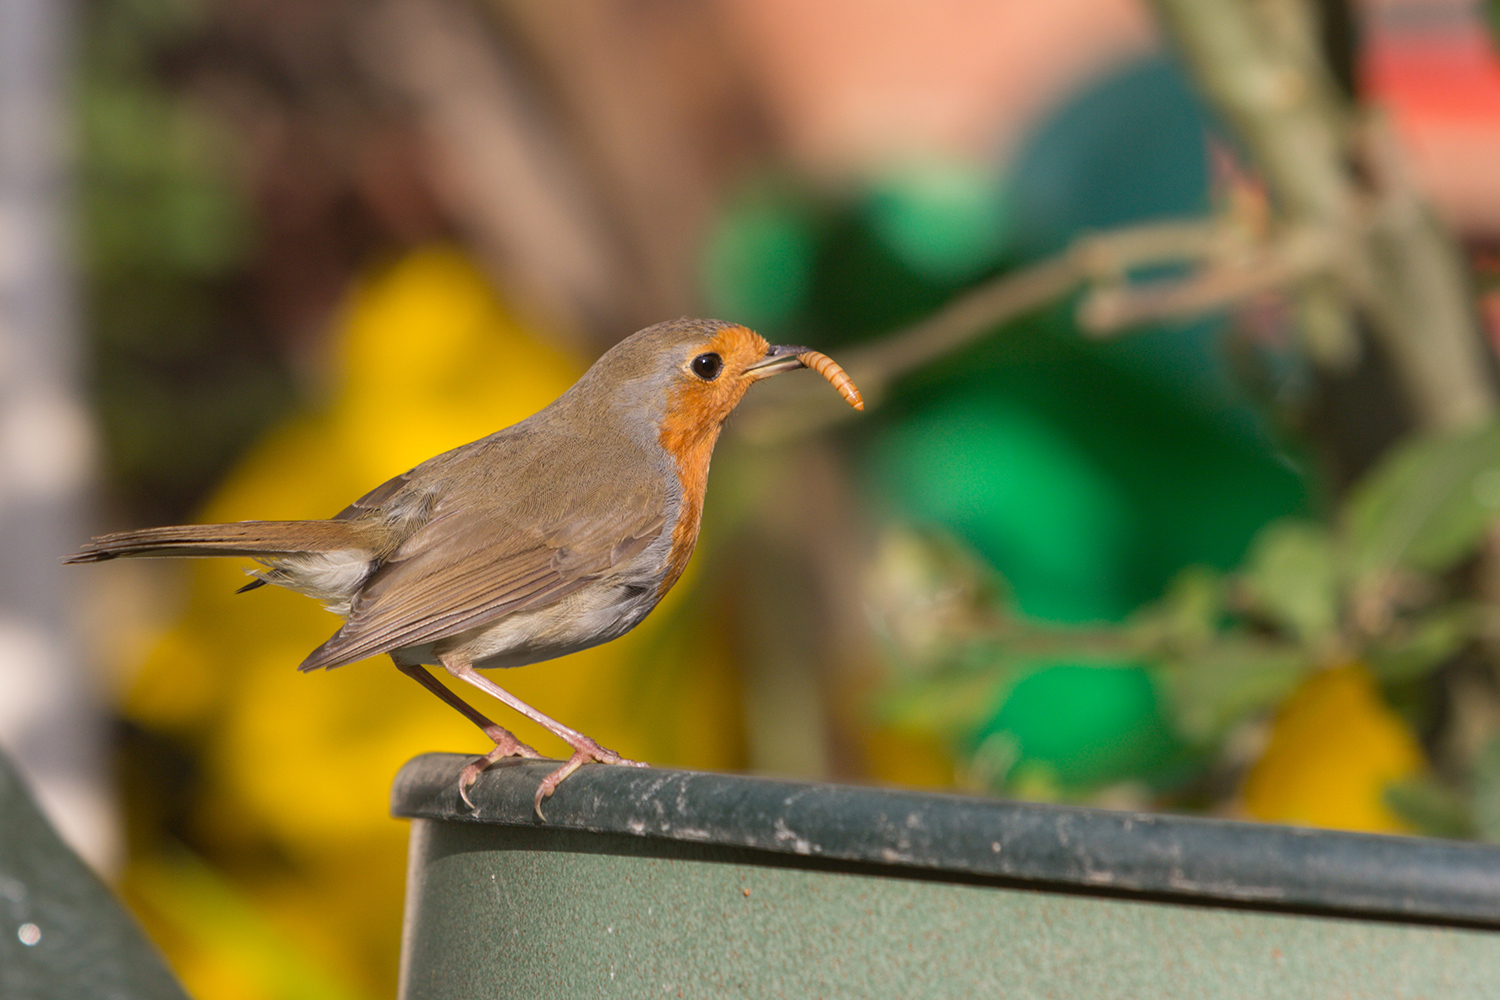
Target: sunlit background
{"x":1185,"y":505}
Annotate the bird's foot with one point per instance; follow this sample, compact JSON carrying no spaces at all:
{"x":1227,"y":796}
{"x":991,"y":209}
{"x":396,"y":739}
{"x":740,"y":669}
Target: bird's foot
{"x":506,"y":745}
{"x":585,"y":751}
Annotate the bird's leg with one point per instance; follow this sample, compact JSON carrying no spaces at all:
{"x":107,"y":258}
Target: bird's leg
{"x":506,"y":744}
{"x":504,"y":739}
{"x":585,"y":750}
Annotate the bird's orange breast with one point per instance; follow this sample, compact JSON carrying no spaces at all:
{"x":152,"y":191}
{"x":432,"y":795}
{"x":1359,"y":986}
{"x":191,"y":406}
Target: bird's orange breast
{"x":694,"y":415}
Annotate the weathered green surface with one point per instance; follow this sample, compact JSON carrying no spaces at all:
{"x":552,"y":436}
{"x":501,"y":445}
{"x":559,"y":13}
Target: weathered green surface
{"x":501,"y":912}
{"x":62,"y":935}
{"x":1193,"y":859}
{"x":659,"y":883}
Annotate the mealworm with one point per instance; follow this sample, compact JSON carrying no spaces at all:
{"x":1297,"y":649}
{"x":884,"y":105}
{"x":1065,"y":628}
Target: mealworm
{"x":836,"y":376}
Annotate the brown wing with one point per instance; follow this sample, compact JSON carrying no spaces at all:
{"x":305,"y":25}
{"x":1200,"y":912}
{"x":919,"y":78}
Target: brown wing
{"x":403,"y":496}
{"x":373,"y":499}
{"x":473,"y":564}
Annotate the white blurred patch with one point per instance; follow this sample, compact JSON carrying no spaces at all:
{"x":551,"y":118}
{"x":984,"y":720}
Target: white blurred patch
{"x":46,"y":444}
{"x":30,"y":664}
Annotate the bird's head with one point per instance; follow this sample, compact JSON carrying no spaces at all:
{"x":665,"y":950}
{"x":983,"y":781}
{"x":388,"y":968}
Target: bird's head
{"x":681,"y":379}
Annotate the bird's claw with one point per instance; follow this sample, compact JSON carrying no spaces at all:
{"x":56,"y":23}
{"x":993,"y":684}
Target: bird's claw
{"x":585,"y":751}
{"x":506,"y":745}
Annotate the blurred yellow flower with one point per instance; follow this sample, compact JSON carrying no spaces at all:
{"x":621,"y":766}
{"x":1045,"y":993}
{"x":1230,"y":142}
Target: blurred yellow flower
{"x":1334,"y":748}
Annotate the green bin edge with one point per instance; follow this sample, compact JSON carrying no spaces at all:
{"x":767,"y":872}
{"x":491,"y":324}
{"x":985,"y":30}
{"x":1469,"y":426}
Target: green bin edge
{"x":962,"y":838}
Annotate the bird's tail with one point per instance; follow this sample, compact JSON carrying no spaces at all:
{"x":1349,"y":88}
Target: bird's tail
{"x":240,"y":538}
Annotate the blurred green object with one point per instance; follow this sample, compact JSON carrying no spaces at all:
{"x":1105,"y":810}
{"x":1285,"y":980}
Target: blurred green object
{"x":945,"y":220}
{"x":1079,"y":725}
{"x":758,"y":263}
{"x":1082,"y":484}
{"x":1127,"y":148}
{"x":62,"y":935}
{"x":1024,"y":495}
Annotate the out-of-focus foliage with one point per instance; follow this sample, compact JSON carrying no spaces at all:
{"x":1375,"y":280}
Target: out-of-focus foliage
{"x":1313,"y":620}
{"x":1084,"y":475}
{"x":1099,"y":574}
{"x":183,"y":376}
{"x":288,"y":805}
{"x":1426,"y":507}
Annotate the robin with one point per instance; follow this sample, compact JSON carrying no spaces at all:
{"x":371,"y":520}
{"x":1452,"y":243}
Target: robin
{"x":550,"y":536}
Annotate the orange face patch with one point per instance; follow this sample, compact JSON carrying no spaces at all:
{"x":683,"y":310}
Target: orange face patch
{"x":696,"y":410}
{"x":699,"y":402}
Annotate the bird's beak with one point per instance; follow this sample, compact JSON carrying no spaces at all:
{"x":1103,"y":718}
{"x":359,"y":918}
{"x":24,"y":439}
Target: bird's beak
{"x":779,"y":358}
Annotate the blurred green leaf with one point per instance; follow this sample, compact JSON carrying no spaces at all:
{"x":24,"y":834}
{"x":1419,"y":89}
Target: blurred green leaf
{"x":1291,"y":576}
{"x":1410,"y":649}
{"x":1485,"y":801}
{"x":1091,"y":722}
{"x":945,"y":220}
{"x":1232,"y":678}
{"x":1187,"y":617}
{"x":1434,"y":809}
{"x":1426,"y":506}
{"x":953,"y":705}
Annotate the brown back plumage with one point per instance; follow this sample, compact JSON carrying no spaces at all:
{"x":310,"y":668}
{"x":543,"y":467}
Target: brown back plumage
{"x":487,"y":552}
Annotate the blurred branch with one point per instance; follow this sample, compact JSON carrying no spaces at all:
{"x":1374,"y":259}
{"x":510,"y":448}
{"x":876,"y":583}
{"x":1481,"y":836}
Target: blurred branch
{"x":502,"y":163}
{"x":1331,"y":167}
{"x":1352,"y":238}
{"x":1327,"y":167}
{"x":1228,"y":264}
{"x":1251,"y":270}
{"x":1105,"y":258}
{"x":661,"y":114}
{"x":581,"y":145}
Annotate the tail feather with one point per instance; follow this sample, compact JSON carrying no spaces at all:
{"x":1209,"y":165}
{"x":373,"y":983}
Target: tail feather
{"x":240,"y":538}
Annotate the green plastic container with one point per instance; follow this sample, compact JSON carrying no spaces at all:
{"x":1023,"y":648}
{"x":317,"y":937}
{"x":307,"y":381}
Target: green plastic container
{"x":657,"y":883}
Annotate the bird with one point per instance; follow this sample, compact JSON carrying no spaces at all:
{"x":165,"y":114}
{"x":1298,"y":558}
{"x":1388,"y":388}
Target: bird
{"x":553,"y":535}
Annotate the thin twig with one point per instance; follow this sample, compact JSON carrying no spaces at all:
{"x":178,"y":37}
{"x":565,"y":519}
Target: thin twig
{"x":1276,"y":265}
{"x":1338,"y":246}
{"x":1261,"y":66}
{"x":1227,"y":267}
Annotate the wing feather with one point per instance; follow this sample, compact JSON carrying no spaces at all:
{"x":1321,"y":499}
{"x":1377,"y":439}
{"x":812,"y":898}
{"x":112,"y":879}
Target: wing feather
{"x":469,"y":567}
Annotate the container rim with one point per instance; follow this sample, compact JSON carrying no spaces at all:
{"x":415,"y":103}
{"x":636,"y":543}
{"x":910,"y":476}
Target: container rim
{"x":1186,"y":858}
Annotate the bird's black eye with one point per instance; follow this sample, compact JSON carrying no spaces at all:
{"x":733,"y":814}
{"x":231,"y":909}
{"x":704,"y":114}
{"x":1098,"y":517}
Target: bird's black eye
{"x":708,"y":366}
